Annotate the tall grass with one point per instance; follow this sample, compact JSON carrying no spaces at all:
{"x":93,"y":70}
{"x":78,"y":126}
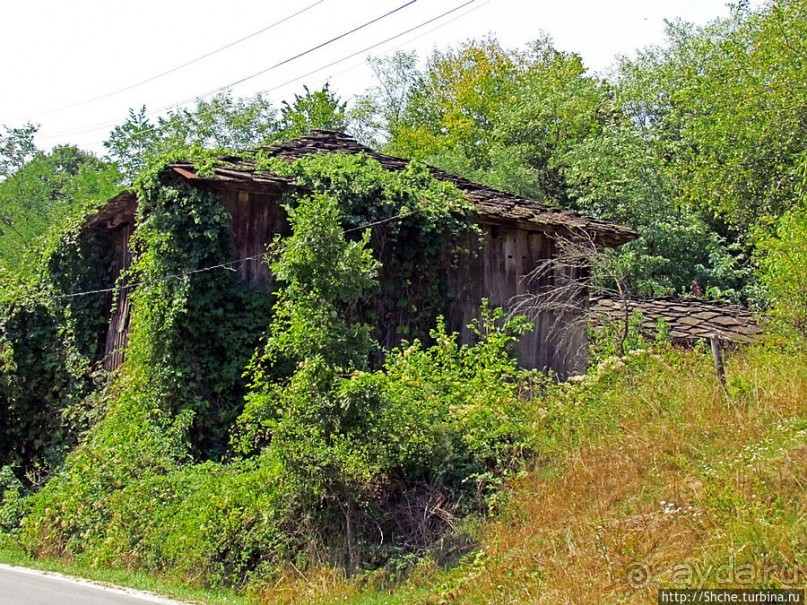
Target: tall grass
{"x":652,"y":475}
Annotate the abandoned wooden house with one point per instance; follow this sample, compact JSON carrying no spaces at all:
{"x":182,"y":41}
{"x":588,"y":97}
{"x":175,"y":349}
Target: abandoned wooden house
{"x":517,"y":233}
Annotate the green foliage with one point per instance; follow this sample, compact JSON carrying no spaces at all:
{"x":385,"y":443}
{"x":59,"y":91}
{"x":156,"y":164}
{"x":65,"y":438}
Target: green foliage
{"x":377,"y":114}
{"x":193,"y":329}
{"x":320,"y":109}
{"x":352,"y":442}
{"x":16,"y":148}
{"x":619,"y":338}
{"x":51,"y":344}
{"x":35,"y":383}
{"x":180,"y":386}
{"x":691,"y":144}
{"x":11,"y":501}
{"x":617,"y":176}
{"x":334,"y":452}
{"x":420,"y":225}
{"x":741,"y":111}
{"x":324,"y":276}
{"x":782,"y":266}
{"x":40,"y":195}
{"x":356,"y":446}
{"x":708,"y":140}
{"x":223,"y":124}
{"x":503,"y":118}
{"x":219,"y":123}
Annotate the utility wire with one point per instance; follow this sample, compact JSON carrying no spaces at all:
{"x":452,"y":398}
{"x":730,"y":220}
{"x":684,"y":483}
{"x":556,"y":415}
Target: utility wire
{"x":306,"y":52}
{"x":251,"y":76}
{"x":395,"y":47}
{"x":179,"y":67}
{"x":157,"y":128}
{"x":371,"y":47}
{"x":227,"y":265}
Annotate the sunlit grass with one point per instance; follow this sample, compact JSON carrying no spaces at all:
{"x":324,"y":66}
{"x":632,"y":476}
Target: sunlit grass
{"x":657,"y":477}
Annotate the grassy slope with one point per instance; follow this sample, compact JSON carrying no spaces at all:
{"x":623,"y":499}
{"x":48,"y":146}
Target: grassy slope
{"x":654,"y":477}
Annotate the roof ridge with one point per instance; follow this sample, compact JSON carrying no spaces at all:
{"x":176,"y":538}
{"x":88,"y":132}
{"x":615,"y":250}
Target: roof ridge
{"x":491,"y":203}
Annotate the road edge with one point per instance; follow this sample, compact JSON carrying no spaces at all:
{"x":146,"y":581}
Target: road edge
{"x":122,"y":590}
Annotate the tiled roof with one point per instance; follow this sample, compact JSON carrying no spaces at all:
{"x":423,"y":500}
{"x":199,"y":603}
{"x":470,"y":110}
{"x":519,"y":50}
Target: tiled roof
{"x":689,"y":319}
{"x":492,"y":206}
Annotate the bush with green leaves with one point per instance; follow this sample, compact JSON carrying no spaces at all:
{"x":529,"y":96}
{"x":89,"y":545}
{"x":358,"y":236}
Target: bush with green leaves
{"x":420,"y":226}
{"x":353,"y":441}
{"x":782,"y":269}
{"x":11,"y":500}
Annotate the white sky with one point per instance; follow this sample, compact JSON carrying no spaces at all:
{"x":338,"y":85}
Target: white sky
{"x":59,"y":53}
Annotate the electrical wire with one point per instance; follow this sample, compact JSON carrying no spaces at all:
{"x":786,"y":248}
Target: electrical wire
{"x":251,"y":76}
{"x":395,"y":47}
{"x":177,"y":68}
{"x":157,"y":128}
{"x":306,"y":52}
{"x":372,"y":46}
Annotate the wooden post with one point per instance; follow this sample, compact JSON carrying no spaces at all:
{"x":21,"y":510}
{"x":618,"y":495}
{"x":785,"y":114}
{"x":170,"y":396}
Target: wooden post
{"x":718,"y":359}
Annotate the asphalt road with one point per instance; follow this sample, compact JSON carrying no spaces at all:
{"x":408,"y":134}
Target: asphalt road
{"x":21,"y":586}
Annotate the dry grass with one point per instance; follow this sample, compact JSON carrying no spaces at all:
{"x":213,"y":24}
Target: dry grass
{"x":667,"y":481}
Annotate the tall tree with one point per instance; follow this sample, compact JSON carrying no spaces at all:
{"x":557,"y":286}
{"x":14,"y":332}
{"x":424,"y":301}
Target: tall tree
{"x":726,"y":105}
{"x":16,"y":148}
{"x":311,"y":110}
{"x":44,"y":191}
{"x":219,"y":123}
{"x":377,"y":115}
{"x":501,"y":117}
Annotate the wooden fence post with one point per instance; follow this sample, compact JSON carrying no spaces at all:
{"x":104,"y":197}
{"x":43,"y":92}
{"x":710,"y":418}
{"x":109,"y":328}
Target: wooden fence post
{"x":718,"y":359}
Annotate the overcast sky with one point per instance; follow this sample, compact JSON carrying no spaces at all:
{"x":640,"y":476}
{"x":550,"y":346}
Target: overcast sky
{"x":59,"y":57}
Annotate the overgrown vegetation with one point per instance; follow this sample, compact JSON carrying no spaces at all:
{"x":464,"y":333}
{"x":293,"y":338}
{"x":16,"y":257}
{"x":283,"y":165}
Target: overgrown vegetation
{"x":692,"y":144}
{"x":291,"y":446}
{"x":331,"y":458}
{"x":649,"y":476}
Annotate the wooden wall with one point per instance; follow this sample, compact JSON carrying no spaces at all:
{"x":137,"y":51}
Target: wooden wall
{"x":256,"y":218}
{"x":498,"y":272}
{"x":117,"y":337}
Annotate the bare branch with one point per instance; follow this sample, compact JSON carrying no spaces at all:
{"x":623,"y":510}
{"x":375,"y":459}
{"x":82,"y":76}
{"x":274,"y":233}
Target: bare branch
{"x":560,"y":287}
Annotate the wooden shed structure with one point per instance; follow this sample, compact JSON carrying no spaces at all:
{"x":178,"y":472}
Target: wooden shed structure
{"x":517,"y":234}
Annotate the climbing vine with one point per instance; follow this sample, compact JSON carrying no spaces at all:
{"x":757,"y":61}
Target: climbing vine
{"x":193,"y":329}
{"x":51,"y":344}
{"x":419,"y":227}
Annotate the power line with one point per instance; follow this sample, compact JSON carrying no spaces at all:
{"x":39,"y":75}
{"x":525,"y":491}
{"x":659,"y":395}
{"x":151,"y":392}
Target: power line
{"x":409,"y":41}
{"x":371,"y":47}
{"x":178,"y":67}
{"x":251,"y":76}
{"x":310,"y":50}
{"x":157,"y":128}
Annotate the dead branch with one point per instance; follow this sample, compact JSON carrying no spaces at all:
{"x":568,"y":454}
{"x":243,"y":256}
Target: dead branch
{"x":560,"y":287}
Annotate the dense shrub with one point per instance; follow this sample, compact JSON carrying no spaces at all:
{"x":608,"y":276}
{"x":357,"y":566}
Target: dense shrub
{"x":782,"y":256}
